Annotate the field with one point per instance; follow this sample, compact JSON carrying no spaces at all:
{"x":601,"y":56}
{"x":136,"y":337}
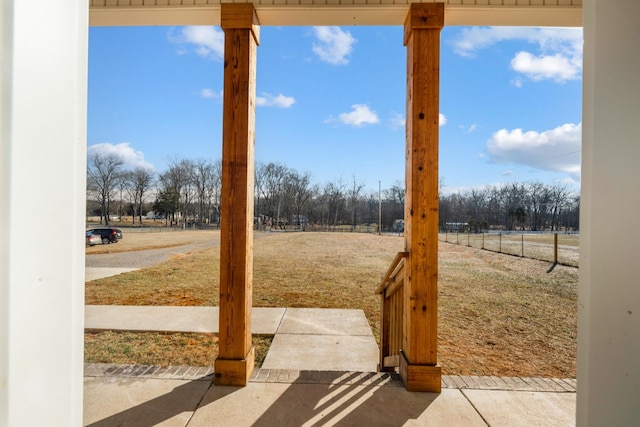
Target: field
{"x":498,"y":315}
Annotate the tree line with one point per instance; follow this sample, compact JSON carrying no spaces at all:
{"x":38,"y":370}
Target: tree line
{"x":529,"y":206}
{"x":187,"y":193}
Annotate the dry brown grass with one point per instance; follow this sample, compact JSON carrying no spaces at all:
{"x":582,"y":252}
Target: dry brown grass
{"x":152,"y":348}
{"x":186,"y":279}
{"x":499,"y":315}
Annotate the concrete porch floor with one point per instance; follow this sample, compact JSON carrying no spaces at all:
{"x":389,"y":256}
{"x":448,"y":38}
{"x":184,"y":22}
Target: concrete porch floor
{"x":186,"y":396}
{"x":320,"y":370}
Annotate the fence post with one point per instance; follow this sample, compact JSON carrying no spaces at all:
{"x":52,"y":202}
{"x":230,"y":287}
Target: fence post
{"x":469,"y":238}
{"x":522,"y":250}
{"x":457,"y":237}
{"x":500,"y":243}
{"x":483,"y":240}
{"x":555,"y":248}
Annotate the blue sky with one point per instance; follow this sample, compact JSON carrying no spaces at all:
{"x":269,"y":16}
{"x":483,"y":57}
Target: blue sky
{"x":331,"y":101}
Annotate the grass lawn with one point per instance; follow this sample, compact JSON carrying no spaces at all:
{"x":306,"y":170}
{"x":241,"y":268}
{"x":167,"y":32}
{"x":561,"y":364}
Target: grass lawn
{"x":498,"y":315}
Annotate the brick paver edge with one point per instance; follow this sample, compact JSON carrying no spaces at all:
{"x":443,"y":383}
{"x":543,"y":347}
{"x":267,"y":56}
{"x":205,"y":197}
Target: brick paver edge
{"x":289,"y":376}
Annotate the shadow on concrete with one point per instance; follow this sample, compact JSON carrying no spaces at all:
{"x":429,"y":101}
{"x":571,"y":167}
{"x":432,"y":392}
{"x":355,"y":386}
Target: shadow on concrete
{"x":351,"y":401}
{"x":179,"y":403}
{"x":354,"y":399}
{"x":314,"y":398}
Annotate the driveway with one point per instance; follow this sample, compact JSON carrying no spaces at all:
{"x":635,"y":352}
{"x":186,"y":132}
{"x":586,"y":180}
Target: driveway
{"x":104,"y":265}
{"x":143,"y":258}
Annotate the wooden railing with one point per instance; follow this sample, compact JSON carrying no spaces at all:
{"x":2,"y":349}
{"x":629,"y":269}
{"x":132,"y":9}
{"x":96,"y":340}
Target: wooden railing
{"x":392,"y":315}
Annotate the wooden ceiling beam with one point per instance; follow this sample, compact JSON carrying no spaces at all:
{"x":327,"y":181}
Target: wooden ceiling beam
{"x":309,"y":15}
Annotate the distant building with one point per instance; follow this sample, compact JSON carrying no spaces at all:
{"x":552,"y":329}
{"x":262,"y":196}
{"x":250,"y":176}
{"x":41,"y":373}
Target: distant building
{"x":153,"y":215}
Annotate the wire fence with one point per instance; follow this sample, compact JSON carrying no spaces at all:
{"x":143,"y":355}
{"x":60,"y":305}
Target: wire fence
{"x":557,"y":248}
{"x":155,"y":228}
{"x":179,"y":227}
{"x":361,"y":228}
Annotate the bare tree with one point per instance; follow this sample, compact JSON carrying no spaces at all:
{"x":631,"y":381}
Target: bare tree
{"x":559,"y":198}
{"x":273,"y":190}
{"x":138,"y":182}
{"x":334,"y":196}
{"x":103,"y":177}
{"x":393,"y":204}
{"x":372,"y":206}
{"x":515,"y":195}
{"x":179,"y":179}
{"x":477,"y":210}
{"x":259,"y":187}
{"x":538,"y":198}
{"x":354,"y":196}
{"x":299,"y":191}
{"x":214,"y":191}
{"x":203,"y":178}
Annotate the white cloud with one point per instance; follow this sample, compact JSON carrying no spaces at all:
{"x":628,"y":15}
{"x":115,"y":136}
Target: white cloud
{"x":210,"y":93}
{"x":555,"y":150}
{"x":397,"y":120}
{"x":468,"y":129}
{"x":442,"y":120}
{"x":360,"y":115}
{"x":208,"y":41}
{"x":333,"y":45}
{"x":559,"y":55}
{"x":547,"y":67}
{"x":548,"y":39}
{"x":280,"y":101}
{"x":131,"y":158}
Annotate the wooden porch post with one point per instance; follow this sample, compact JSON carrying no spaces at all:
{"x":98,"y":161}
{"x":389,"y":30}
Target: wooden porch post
{"x":419,"y":357}
{"x":235,"y":361}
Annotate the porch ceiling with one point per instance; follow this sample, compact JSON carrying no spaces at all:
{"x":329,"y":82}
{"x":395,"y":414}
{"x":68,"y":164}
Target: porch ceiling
{"x":564,"y":13}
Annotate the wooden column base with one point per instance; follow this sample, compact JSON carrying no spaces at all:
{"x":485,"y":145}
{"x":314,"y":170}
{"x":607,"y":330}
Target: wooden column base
{"x":420,"y":377}
{"x":234,"y":372}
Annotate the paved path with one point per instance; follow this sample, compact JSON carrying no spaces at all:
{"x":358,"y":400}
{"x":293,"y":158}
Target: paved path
{"x":265,"y":320}
{"x":303,"y":338}
{"x":98,"y":266}
{"x":143,"y":258}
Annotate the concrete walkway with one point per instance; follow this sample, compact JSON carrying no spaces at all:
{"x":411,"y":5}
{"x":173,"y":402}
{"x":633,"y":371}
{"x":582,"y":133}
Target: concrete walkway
{"x":304,"y":338}
{"x":94,"y":273}
{"x":320,"y":370}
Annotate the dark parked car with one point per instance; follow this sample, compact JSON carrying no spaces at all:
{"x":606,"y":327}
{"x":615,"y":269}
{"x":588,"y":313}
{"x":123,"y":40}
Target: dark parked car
{"x":118,"y":233}
{"x":109,"y":235}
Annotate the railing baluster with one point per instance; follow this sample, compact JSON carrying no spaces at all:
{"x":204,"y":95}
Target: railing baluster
{"x":391,"y":291}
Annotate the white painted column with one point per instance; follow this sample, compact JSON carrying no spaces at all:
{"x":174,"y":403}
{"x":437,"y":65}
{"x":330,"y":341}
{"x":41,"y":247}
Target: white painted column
{"x":42,"y":206}
{"x":609,"y":291}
